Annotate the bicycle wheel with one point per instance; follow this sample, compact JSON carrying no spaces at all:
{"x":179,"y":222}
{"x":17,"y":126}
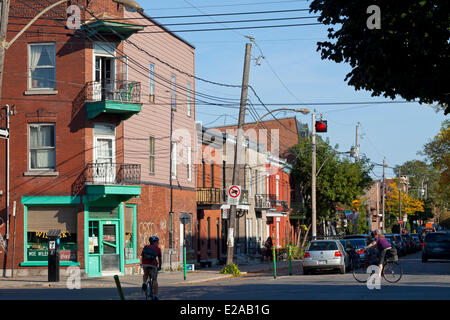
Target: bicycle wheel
{"x":360,"y":272}
{"x":392,"y":272}
{"x":149,"y":291}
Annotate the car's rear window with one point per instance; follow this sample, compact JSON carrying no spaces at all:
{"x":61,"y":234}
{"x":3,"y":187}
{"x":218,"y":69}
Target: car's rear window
{"x":322,"y":246}
{"x":437,"y":237}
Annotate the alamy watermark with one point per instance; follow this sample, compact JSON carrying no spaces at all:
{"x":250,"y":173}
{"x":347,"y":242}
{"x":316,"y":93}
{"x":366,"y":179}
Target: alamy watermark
{"x":74,"y":279}
{"x":374,"y":20}
{"x":374,"y":281}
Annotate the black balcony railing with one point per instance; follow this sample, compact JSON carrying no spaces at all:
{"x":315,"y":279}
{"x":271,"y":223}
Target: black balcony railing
{"x":278,"y":203}
{"x":209,"y":196}
{"x":262,"y":201}
{"x":113,"y":90}
{"x":112,"y":173}
{"x":242,"y":200}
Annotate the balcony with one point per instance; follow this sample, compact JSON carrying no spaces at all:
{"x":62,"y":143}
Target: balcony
{"x":275,"y":203}
{"x":209,"y":196}
{"x":119,"y":97}
{"x":110,"y":182}
{"x":262,"y":201}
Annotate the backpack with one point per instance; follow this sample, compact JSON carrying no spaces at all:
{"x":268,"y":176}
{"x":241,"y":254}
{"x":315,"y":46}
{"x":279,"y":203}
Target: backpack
{"x":148,"y":253}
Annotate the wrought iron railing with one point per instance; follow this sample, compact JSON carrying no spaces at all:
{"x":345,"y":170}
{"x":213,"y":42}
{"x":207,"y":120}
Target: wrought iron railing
{"x":112,"y":173}
{"x":209,"y":196}
{"x":262,"y":201}
{"x":278,"y":203}
{"x":113,"y":90}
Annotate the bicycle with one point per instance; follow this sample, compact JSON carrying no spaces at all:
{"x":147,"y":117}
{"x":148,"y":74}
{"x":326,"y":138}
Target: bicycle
{"x":149,"y":287}
{"x":392,"y":271}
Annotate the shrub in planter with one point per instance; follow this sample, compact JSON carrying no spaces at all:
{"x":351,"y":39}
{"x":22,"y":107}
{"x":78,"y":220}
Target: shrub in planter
{"x":231,"y":269}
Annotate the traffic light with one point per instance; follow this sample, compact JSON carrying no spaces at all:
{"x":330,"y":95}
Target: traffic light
{"x":321,"y":126}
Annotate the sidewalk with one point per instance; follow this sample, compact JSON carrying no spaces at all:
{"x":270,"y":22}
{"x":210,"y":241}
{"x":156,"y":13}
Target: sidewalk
{"x":174,"y":278}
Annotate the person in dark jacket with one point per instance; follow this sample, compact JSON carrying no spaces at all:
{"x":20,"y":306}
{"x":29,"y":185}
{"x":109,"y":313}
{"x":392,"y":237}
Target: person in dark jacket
{"x":268,"y":249}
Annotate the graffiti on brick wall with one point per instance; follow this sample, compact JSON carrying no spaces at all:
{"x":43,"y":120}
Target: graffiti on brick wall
{"x":2,"y":242}
{"x":148,"y":229}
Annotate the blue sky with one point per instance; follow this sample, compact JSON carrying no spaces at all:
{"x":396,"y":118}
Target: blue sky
{"x":394,"y":131}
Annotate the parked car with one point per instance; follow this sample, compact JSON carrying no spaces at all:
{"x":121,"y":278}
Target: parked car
{"x":354,"y":248}
{"x":417,"y":241}
{"x":406,"y":243}
{"x":395,"y":242}
{"x":436,"y":245}
{"x":366,"y":237}
{"x":325,"y":254}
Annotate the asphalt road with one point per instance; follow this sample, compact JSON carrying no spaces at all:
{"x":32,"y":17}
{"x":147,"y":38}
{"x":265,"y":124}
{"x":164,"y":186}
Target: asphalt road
{"x":420,"y":281}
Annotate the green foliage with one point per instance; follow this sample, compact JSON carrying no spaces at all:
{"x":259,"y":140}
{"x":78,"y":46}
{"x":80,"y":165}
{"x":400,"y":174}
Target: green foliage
{"x":408,"y":56}
{"x":339,"y":180}
{"x":231,"y":269}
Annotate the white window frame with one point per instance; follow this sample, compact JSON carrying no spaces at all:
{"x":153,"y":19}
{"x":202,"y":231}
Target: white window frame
{"x":46,"y":148}
{"x":277,"y":187}
{"x":188,"y":103}
{"x":152,"y":82}
{"x":152,"y":155}
{"x":30,"y":78}
{"x":189,"y":164}
{"x":174,"y":160}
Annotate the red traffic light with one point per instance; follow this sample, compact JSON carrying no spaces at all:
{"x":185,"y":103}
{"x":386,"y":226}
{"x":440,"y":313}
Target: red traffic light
{"x":321,"y":126}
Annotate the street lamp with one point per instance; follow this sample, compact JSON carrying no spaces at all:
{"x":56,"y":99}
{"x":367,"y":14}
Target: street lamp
{"x":301,"y":110}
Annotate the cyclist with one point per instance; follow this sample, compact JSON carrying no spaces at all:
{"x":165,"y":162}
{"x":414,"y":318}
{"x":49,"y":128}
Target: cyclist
{"x":383,"y":247}
{"x":151,"y":267}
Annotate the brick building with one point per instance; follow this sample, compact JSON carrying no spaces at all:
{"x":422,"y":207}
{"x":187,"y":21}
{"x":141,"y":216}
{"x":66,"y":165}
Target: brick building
{"x":77,"y":163}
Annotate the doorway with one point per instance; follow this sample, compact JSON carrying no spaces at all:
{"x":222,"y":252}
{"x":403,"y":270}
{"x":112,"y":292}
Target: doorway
{"x":103,"y":247}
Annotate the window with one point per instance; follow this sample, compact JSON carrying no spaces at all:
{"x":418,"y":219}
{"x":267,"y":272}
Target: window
{"x":42,"y":147}
{"x":224,"y":166}
{"x":152,"y":155}
{"x":212,"y":174}
{"x":130,"y":232}
{"x":250,"y":181}
{"x":174,"y":160}
{"x":277,"y":186}
{"x":203,"y":173}
{"x":39,"y":220}
{"x":173,"y":98}
{"x":208,"y":231}
{"x":189,"y":164}
{"x":170,"y":229}
{"x":189,"y":111}
{"x":152,"y":83}
{"x":41,"y":65}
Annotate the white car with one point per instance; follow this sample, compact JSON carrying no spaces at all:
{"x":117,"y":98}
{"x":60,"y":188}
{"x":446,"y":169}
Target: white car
{"x":325,"y":254}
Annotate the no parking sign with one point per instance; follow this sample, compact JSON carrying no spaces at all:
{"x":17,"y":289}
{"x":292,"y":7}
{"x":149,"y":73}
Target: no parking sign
{"x":234,"y":194}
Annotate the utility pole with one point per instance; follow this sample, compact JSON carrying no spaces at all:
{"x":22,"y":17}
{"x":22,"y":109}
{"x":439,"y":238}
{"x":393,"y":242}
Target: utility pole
{"x":4,"y":7}
{"x":399,"y":199}
{"x":356,"y":143}
{"x":383,"y":195}
{"x":237,"y":148}
{"x":313,"y":177}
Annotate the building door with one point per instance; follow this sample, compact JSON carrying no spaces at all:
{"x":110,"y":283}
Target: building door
{"x":278,"y":233}
{"x":104,"y":167}
{"x":109,"y":246}
{"x":181,"y":242}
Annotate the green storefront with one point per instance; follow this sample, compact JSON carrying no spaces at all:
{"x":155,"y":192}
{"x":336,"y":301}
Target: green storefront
{"x":109,"y":242}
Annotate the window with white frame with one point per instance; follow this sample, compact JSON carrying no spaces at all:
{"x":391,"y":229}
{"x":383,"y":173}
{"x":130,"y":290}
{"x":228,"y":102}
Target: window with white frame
{"x":42,"y":149}
{"x":173,"y":97}
{"x":189,"y":164}
{"x":174,"y":160}
{"x":41,"y":66}
{"x":152,"y":83}
{"x":189,"y":108}
{"x":152,"y":155}
{"x":277,"y":186}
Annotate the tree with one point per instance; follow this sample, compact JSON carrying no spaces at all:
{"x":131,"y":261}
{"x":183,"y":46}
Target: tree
{"x":407,"y":56}
{"x":410,"y":205}
{"x":338,"y":181}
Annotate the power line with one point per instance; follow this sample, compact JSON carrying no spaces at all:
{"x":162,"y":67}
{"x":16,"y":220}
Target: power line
{"x":228,"y":5}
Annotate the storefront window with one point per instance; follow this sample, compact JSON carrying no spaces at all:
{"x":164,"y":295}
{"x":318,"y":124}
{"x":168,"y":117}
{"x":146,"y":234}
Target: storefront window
{"x":40,"y":220}
{"x":130,"y":250}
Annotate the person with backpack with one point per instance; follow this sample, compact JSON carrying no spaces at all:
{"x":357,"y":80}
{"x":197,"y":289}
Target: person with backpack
{"x":151,"y":264}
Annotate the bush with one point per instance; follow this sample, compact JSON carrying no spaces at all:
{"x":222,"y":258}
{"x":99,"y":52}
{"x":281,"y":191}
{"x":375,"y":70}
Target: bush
{"x":231,"y":269}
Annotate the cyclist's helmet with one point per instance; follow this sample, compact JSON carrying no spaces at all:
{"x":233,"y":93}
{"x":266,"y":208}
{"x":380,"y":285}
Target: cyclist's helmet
{"x":153,"y":239}
{"x":375,"y":233}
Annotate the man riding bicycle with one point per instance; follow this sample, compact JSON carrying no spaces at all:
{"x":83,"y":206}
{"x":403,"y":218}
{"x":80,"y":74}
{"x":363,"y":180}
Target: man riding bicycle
{"x":383,"y":247}
{"x":149,"y":264}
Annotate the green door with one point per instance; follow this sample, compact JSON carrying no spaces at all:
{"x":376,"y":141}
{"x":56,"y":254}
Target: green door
{"x":109,"y":246}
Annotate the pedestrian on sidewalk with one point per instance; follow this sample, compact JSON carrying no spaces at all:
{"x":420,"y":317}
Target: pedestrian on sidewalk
{"x":268,"y":249}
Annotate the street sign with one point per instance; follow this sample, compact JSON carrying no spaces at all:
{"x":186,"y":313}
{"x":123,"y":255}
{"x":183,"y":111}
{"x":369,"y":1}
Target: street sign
{"x":185,"y":218}
{"x":234,"y":194}
{"x":4,"y":133}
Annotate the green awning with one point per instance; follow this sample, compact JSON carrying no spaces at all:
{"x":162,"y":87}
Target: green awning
{"x":124,"y":110}
{"x":297,"y":217}
{"x":105,"y":27}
